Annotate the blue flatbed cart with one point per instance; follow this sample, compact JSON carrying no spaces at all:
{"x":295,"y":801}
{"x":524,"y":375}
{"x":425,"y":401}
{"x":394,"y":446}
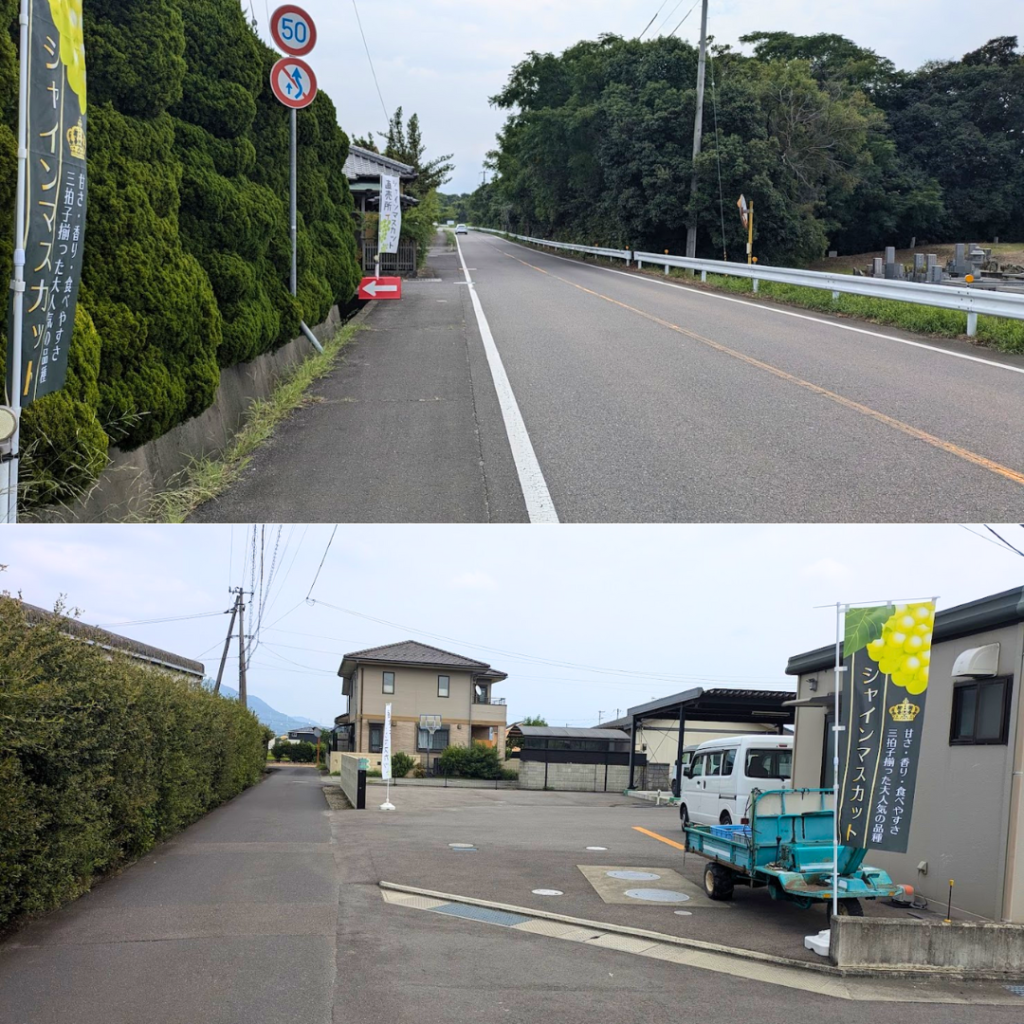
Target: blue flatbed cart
{"x":787,"y":847}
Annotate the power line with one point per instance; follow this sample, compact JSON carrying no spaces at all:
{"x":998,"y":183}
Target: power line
{"x":1006,"y":542}
{"x":987,"y":540}
{"x":322,"y":560}
{"x":670,"y":13}
{"x":664,"y":677}
{"x":685,"y":16}
{"x":651,"y":22}
{"x":383,"y":105}
{"x":153,"y":622}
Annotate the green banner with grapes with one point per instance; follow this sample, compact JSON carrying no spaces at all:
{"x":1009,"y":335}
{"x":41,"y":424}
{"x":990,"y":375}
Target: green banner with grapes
{"x":886,"y":652}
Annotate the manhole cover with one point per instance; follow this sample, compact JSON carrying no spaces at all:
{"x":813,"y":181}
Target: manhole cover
{"x":462,"y":846}
{"x":658,"y":895}
{"x":548,"y":892}
{"x":683,"y":913}
{"x":597,"y":847}
{"x":634,"y":876}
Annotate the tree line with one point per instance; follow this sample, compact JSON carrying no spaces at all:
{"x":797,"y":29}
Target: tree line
{"x":837,"y":147}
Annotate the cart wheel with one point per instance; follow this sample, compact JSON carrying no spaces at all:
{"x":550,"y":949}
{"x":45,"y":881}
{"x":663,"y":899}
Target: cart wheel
{"x":718,"y":882}
{"x":684,"y":816}
{"x":850,"y":908}
{"x":725,"y":819}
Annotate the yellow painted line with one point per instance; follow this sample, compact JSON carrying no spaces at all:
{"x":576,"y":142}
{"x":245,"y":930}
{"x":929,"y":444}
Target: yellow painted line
{"x":654,"y":835}
{"x":848,"y":403}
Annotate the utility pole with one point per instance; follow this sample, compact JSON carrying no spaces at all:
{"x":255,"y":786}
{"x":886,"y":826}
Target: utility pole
{"x":227,"y":640}
{"x":698,"y":128}
{"x":241,"y":652}
{"x":483,"y":177}
{"x":600,"y":715}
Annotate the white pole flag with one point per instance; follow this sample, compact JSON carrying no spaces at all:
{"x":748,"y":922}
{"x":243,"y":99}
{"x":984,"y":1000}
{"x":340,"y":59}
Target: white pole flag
{"x":385,"y":759}
{"x":390,"y":214}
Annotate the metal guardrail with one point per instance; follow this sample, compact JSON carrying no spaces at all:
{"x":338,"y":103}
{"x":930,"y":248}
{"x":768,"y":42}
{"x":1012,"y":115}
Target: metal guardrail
{"x":593,"y":250}
{"x":961,"y":298}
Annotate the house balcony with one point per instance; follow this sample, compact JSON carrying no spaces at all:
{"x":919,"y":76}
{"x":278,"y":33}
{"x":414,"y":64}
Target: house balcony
{"x":489,"y":700}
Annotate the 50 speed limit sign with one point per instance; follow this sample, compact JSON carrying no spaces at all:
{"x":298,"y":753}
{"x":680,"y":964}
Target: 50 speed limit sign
{"x":293,"y":30}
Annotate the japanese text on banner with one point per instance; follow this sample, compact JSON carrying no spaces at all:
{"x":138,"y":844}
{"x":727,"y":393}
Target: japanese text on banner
{"x":390,"y":214}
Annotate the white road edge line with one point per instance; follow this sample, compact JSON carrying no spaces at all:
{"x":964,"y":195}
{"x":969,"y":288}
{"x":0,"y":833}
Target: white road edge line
{"x":774,"y":309}
{"x":539,"y":505}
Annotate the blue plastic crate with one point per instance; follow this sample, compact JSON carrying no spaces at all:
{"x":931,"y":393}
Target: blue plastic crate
{"x":730,"y":831}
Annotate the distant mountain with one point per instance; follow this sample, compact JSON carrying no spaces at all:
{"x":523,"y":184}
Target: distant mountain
{"x":273,"y":719}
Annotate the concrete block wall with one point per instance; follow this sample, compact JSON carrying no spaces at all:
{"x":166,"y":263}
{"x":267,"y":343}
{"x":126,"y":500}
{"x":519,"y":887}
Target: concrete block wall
{"x":656,"y":776}
{"x":974,"y":949}
{"x":577,"y":778}
{"x":351,"y":766}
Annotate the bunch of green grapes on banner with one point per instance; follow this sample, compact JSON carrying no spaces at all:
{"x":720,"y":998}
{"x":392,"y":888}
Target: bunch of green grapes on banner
{"x":903,"y":651}
{"x":67,"y":17}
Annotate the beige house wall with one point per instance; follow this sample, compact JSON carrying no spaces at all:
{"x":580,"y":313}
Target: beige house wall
{"x":661,"y":735}
{"x":416,"y":694}
{"x":967,"y":822}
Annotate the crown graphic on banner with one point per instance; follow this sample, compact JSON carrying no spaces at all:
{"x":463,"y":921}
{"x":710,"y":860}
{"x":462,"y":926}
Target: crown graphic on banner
{"x":76,"y":140}
{"x":905,"y":712}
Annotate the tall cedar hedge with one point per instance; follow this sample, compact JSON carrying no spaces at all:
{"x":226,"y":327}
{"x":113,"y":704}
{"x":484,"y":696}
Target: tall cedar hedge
{"x":188,"y":254}
{"x":100,"y":758}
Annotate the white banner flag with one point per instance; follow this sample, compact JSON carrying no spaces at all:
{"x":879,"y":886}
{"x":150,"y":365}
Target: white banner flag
{"x":385,"y":753}
{"x":390,"y":214}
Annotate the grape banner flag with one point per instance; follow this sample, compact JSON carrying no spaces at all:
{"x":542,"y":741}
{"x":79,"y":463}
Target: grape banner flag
{"x":886,"y":652}
{"x":390,"y":214}
{"x":55,"y":194}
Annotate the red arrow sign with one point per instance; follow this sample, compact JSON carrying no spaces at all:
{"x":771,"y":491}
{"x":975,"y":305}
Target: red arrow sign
{"x":380,"y":288}
{"x":293,"y":82}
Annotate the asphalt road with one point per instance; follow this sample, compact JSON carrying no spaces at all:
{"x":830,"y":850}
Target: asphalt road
{"x":638,"y":400}
{"x":269,"y":910}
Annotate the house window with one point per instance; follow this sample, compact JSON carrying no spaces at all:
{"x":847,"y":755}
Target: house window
{"x":981,"y":711}
{"x":389,"y":682}
{"x":442,"y":686}
{"x":376,"y":737}
{"x":439,"y":741}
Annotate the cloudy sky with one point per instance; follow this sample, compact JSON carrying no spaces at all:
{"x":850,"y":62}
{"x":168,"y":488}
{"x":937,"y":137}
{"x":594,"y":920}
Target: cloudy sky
{"x":585,"y":620}
{"x":444,"y":58}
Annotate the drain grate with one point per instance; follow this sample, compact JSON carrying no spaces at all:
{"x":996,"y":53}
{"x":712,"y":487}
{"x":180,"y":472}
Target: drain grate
{"x":1017,"y":990}
{"x":485,"y":914}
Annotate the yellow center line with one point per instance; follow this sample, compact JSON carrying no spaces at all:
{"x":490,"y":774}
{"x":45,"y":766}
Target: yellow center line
{"x":654,"y":835}
{"x":848,"y":403}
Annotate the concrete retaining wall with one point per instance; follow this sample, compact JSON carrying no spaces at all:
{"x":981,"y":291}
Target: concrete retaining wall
{"x":127,"y":485}
{"x":578,"y":778}
{"x":974,"y":949}
{"x":353,"y":779}
{"x":334,"y":762}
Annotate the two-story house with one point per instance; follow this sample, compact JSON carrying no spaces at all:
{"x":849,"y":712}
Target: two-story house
{"x":418,"y":680}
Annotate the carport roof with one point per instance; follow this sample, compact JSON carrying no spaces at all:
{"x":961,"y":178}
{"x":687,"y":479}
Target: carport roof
{"x":721,"y":704}
{"x":562,"y":733}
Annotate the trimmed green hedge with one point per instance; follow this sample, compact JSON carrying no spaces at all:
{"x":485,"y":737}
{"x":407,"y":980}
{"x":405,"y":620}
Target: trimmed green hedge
{"x":188,"y":255}
{"x":100,"y":759}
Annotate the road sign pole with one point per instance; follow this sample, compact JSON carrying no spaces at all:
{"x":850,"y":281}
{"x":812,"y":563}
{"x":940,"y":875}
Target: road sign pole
{"x":295,"y":202}
{"x":9,"y":477}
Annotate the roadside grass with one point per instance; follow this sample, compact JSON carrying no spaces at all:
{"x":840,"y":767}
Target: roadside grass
{"x":449,"y":237}
{"x":993,"y":332}
{"x":207,"y":478}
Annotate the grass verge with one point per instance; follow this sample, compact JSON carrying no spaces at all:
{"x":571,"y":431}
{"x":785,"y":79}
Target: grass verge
{"x":205,"y":479}
{"x":995,"y":332}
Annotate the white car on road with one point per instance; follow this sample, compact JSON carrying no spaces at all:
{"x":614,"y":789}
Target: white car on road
{"x":462,"y":230}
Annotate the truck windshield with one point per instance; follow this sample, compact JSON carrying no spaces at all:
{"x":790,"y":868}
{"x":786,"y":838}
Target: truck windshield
{"x":769,"y":764}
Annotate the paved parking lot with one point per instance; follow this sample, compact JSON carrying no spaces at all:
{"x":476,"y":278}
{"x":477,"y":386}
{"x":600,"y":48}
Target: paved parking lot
{"x":525,"y":840}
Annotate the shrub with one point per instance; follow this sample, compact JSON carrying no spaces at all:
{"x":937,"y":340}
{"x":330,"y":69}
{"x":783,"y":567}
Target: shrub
{"x":477,"y":762}
{"x":419,"y":771}
{"x":280,"y":749}
{"x":401,"y":764}
{"x":100,"y":759}
{"x":302,"y":753}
